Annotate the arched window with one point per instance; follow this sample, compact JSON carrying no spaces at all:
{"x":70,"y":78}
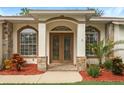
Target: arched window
{"x":61,"y":28}
{"x":28,"y":41}
{"x":92,"y":36}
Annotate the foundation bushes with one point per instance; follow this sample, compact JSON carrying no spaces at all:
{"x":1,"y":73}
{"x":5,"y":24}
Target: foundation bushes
{"x":8,"y":64}
{"x":93,"y":70}
{"x":15,"y":62}
{"x":108,"y":64}
{"x":117,"y":66}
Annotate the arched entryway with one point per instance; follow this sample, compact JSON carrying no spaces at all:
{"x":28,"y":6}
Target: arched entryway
{"x":61,"y":42}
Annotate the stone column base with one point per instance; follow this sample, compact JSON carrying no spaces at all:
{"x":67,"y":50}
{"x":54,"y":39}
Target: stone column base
{"x":81,"y":63}
{"x":42,"y":63}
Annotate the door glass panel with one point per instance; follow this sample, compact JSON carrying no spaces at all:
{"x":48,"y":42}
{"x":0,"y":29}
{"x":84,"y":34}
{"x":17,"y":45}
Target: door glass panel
{"x":67,"y":46}
{"x":55,"y":47}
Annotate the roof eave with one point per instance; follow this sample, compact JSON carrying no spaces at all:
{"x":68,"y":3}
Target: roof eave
{"x":61,"y":11}
{"x":107,"y":19}
{"x":18,"y":18}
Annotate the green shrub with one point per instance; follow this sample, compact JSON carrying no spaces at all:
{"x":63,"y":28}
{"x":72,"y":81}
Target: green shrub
{"x":108,"y":64}
{"x":117,"y":66}
{"x":93,"y":71}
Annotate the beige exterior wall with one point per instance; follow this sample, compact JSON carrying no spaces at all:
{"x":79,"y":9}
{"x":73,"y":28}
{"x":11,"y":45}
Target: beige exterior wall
{"x":51,"y":25}
{"x":119,"y":35}
{"x":16,"y":27}
{"x":101,"y":28}
{"x":77,"y":17}
{"x":0,"y":44}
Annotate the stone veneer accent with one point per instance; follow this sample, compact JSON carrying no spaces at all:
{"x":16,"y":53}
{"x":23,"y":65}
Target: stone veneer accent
{"x":42,"y":63}
{"x":7,"y":40}
{"x":81,"y":63}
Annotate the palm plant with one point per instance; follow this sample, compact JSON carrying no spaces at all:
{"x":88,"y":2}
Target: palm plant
{"x":101,"y":49}
{"x":98,"y":12}
{"x":24,"y":11}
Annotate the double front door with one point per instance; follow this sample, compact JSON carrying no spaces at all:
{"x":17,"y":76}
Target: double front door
{"x":61,"y":47}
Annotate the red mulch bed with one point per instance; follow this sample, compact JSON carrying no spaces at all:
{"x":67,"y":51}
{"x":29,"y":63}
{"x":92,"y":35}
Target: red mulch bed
{"x":28,"y":69}
{"x":105,"y":76}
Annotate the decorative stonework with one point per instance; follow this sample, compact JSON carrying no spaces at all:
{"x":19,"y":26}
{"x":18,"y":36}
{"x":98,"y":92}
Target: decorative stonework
{"x":7,"y":39}
{"x":81,"y":63}
{"x":42,"y":63}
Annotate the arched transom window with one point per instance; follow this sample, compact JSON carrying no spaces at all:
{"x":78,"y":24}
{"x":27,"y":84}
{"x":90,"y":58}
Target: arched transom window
{"x":61,"y":28}
{"x":92,"y":36}
{"x":28,"y":41}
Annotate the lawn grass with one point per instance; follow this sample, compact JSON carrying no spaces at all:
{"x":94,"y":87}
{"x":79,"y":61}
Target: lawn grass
{"x":77,"y":83}
{"x":97,"y":83}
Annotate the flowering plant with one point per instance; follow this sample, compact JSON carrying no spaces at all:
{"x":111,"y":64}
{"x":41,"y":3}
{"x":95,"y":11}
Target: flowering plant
{"x":18,"y":61}
{"x":8,"y":64}
{"x":15,"y":62}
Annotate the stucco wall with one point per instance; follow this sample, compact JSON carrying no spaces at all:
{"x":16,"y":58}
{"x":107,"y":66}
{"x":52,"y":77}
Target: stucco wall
{"x":16,"y":27}
{"x":49,"y":26}
{"x":77,"y":17}
{"x":119,"y":35}
{"x":101,"y":28}
{"x":0,"y":44}
{"x":54,"y":24}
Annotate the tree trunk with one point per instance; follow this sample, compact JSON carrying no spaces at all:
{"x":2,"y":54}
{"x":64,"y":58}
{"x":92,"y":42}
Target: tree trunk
{"x":100,"y":61}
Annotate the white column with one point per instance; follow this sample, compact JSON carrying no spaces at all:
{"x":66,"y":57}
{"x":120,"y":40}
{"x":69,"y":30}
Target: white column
{"x":81,"y":40}
{"x":116,"y":38}
{"x":116,"y":32}
{"x":42,"y":40}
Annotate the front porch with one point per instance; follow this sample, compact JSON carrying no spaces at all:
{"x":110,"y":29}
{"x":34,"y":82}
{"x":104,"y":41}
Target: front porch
{"x":62,"y":46}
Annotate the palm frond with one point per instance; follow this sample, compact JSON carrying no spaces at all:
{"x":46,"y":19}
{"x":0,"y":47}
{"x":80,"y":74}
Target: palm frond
{"x":24,"y":11}
{"x":101,"y":49}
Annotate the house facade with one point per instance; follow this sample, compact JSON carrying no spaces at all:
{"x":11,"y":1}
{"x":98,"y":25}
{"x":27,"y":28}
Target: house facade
{"x":57,"y":36}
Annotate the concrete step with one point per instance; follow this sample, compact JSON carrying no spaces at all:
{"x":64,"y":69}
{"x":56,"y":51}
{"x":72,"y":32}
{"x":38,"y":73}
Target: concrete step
{"x":62,"y":67}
